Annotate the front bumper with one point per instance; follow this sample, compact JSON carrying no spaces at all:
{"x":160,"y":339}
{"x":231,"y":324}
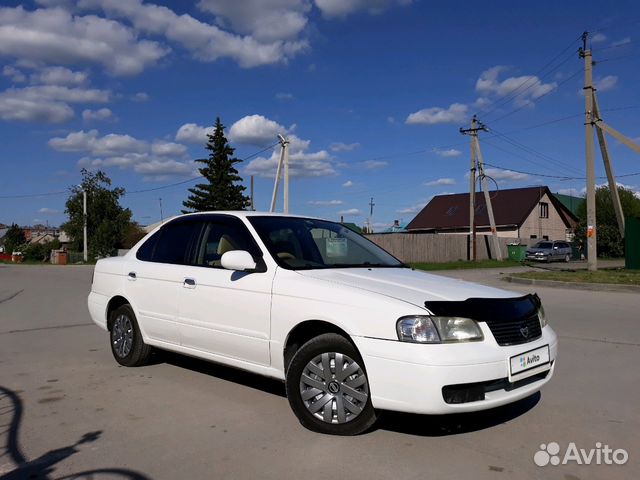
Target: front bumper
{"x":410,"y":378}
{"x":537,"y":257}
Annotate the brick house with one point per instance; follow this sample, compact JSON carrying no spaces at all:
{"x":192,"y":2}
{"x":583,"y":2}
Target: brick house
{"x":525,"y":213}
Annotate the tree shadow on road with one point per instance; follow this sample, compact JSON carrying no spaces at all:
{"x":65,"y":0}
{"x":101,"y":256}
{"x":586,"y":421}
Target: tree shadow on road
{"x":457,"y":423}
{"x":43,"y":467}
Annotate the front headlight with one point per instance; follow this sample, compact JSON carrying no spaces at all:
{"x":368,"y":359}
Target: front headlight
{"x":429,"y":329}
{"x":543,"y":317}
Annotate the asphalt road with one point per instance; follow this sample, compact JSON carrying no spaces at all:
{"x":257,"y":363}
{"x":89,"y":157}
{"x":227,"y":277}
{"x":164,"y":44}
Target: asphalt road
{"x":67,"y":410}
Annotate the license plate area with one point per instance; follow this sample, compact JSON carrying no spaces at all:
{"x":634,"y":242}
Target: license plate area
{"x":529,"y":362}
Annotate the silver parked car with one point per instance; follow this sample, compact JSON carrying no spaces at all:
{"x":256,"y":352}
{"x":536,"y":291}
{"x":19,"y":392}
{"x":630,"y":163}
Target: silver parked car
{"x":549,"y":251}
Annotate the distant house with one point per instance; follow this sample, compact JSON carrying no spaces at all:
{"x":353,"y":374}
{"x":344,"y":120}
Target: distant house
{"x":525,"y":213}
{"x":397,"y":227}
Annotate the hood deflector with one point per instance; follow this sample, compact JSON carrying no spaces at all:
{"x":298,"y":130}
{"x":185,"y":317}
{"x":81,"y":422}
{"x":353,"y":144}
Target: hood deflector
{"x":487,"y":309}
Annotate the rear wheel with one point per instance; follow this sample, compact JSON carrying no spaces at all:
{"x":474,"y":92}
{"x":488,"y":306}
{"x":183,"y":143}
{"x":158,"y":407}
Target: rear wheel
{"x":127,"y":345}
{"x":328,"y":389}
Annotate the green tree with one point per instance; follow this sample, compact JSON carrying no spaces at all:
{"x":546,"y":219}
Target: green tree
{"x":221,"y":192}
{"x":107,"y":221}
{"x":14,"y":239}
{"x":610,"y":243}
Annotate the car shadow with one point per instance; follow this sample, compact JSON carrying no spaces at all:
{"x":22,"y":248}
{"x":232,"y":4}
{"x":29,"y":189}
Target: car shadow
{"x":241,"y":377}
{"x":455,"y":423}
{"x":411,"y":424}
{"x":16,"y":466}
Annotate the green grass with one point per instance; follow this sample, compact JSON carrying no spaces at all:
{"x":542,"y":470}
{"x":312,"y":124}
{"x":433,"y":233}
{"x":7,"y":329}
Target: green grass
{"x":460,"y":265}
{"x":616,"y":276}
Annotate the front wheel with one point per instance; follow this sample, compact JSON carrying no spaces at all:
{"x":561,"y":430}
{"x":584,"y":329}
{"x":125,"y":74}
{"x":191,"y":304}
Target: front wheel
{"x":567,"y":258}
{"x":328,"y":389}
{"x":127,"y":345}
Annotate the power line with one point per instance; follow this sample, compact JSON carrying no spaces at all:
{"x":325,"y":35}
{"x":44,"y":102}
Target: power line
{"x":558,"y":177}
{"x":577,"y":72}
{"x":534,"y":78}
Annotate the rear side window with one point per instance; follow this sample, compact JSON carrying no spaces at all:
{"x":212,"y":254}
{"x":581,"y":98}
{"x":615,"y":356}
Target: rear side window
{"x":174,"y":242}
{"x":145,"y":252}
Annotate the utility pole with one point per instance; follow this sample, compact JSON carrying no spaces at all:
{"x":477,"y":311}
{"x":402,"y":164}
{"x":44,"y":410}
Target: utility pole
{"x":284,"y":161}
{"x":252,"y":204}
{"x":477,"y":163}
{"x":371,"y":205}
{"x":85,"y":254}
{"x":592,"y":251}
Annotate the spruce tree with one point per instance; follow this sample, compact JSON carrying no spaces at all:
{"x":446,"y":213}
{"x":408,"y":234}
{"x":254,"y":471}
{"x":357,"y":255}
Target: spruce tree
{"x":221,"y":192}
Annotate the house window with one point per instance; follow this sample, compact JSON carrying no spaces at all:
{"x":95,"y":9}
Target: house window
{"x":545,"y":237}
{"x":533,"y":236}
{"x":544,"y":210}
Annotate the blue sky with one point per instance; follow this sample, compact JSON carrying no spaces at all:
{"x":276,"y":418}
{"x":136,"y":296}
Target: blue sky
{"x":370,"y":93}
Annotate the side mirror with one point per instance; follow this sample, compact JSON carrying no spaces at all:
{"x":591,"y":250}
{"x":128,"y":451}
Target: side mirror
{"x":238,"y":260}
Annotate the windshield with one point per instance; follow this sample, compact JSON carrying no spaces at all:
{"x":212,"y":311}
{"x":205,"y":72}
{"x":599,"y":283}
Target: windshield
{"x":304,"y":243}
{"x":543,"y":245}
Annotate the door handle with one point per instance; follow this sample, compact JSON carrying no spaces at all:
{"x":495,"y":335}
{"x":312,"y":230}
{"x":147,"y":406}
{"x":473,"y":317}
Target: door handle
{"x":132,"y":275}
{"x":189,"y":283}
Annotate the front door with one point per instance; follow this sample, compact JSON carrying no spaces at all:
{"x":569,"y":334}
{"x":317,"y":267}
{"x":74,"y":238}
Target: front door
{"x":222,"y":311}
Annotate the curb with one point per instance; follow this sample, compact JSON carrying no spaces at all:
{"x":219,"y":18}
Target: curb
{"x":599,"y":287}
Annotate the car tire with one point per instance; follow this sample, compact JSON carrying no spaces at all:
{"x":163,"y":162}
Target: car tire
{"x":567,"y":258}
{"x":126,"y":341}
{"x":337,"y":402}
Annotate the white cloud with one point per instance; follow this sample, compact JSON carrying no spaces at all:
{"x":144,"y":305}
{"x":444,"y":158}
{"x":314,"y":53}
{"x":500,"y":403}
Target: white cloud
{"x":529,"y":87}
{"x":47,"y":103}
{"x":351,"y":212}
{"x":325,"y":203}
{"x":264,"y":20}
{"x":455,"y":113}
{"x":90,"y":142}
{"x":413,"y":208}
{"x":193,"y":133}
{"x":599,"y":38}
{"x":168,"y":149}
{"x":506,"y":175}
{"x":54,"y":35}
{"x":140,"y":97}
{"x":284,"y":96}
{"x":102,"y":114}
{"x":447,"y":153}
{"x":348,"y":184}
{"x":605,"y":83}
{"x":302,"y":163}
{"x":623,"y":41}
{"x":343,"y":147}
{"x":391,"y":120}
{"x":48,"y":211}
{"x":441,"y":181}
{"x":342,"y":8}
{"x":205,"y":41}
{"x":59,"y":76}
{"x":14,"y":74}
{"x":255,"y":130}
{"x":374,"y":164}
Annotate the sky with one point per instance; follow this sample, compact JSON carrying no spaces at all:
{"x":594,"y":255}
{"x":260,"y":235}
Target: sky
{"x":371,"y":95}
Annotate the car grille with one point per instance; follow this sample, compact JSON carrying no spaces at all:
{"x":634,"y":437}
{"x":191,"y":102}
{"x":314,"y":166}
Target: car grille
{"x":515,"y":332}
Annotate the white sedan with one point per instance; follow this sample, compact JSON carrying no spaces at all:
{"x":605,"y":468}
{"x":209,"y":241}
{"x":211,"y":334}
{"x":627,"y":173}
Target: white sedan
{"x":348,"y":327}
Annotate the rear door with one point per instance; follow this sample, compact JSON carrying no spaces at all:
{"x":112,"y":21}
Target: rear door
{"x":222,"y":311}
{"x":156,"y":275}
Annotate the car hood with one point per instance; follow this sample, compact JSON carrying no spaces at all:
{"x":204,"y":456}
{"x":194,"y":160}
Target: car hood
{"x":412,"y":286}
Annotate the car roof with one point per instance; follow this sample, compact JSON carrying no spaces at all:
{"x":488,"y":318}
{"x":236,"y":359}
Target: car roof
{"x":246,"y":213}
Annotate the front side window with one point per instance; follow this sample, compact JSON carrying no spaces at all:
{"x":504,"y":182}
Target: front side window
{"x":303,"y":243}
{"x":222,"y":236}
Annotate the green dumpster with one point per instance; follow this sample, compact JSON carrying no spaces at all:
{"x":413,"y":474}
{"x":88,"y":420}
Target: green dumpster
{"x":517,"y":252}
{"x":632,"y":243}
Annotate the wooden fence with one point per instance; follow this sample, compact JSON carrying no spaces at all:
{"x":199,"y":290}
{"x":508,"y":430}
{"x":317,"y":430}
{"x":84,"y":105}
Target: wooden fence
{"x":438,"y":248}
